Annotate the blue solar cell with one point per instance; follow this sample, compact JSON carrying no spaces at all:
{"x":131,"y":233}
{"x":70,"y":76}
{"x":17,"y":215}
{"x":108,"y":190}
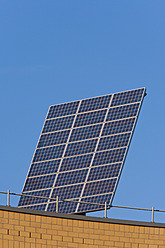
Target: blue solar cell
{"x":108,"y":157}
{"x":90,"y":118}
{"x":67,"y":192}
{"x":99,"y":187}
{"x":58,"y":124}
{"x":63,"y":109}
{"x":101,"y":199}
{"x":83,"y":133}
{"x":77,"y":162}
{"x":103,"y":172}
{"x":48,"y":153}
{"x":47,"y":167}
{"x":40,"y":207}
{"x":26,"y":200}
{"x":127,"y":97}
{"x":80,"y":147}
{"x":51,"y":139}
{"x":63,"y":207}
{"x":95,"y":103}
{"x":72,"y":177}
{"x":123,"y":112}
{"x":115,"y":141}
{"x":42,"y":182}
{"x":120,"y":126}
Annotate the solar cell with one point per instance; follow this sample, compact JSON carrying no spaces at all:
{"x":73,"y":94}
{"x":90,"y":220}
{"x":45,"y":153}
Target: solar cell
{"x":101,"y":199}
{"x":67,"y":192}
{"x":51,"y":139}
{"x":120,"y":126}
{"x":77,"y":162}
{"x":87,"y":132}
{"x":53,"y":125}
{"x":42,"y":168}
{"x":95,"y":103}
{"x":103,"y":172}
{"x":63,"y":109}
{"x":48,"y":153}
{"x":90,"y":118}
{"x":31,"y":200}
{"x":81,"y":152}
{"x":71,"y":177}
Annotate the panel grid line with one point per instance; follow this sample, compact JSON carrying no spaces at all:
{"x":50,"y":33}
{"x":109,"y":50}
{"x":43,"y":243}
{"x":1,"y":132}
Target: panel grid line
{"x":94,"y":153}
{"x":95,"y":110}
{"x":126,"y":151}
{"x":63,"y":154}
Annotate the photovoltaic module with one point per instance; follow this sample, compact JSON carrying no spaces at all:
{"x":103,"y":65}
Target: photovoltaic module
{"x":81,"y":152}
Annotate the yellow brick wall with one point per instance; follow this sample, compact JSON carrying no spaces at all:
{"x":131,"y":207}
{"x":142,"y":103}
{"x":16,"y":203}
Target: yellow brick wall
{"x":26,"y":230}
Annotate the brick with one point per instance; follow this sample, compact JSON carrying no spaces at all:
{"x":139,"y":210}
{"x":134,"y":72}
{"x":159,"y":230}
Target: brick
{"x":46,"y":226}
{"x":153,"y":246}
{"x":11,"y":244}
{"x":127,"y":245}
{"x":73,"y":245}
{"x":3,"y":220}
{"x":143,"y":246}
{"x":41,"y":241}
{"x":78,"y":240}
{"x":8,"y":226}
{"x":40,"y":230}
{"x":30,"y":229}
{"x":19,"y":228}
{"x":13,"y":221}
{"x":35,"y":235}
{"x":46,"y":236}
{"x":109,"y":243}
{"x":67,"y":239}
{"x":51,"y":242}
{"x":52,"y":232}
{"x":62,"y":244}
{"x":24,"y":223}
{"x":19,"y":238}
{"x":5,"y":244}
{"x":99,"y":242}
{"x":57,"y":237}
{"x":88,"y":241}
{"x":8,"y":237}
{"x":62,"y":233}
{"x":24,"y":234}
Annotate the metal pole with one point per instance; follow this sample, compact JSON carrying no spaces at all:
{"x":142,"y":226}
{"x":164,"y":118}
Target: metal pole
{"x":57,"y":204}
{"x":8,"y":197}
{"x":105,"y":215}
{"x":152,"y":214}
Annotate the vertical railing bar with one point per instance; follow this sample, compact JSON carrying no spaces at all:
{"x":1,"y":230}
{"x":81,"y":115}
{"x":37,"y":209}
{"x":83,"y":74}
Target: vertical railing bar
{"x":105,"y":215}
{"x":57,"y":204}
{"x":8,"y":198}
{"x":152,"y":214}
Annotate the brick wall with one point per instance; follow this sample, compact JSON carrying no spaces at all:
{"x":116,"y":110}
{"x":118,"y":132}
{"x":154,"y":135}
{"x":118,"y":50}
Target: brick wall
{"x":21,"y":228}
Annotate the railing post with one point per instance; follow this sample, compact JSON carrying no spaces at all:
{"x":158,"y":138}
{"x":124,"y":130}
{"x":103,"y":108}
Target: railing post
{"x":105,"y":215}
{"x":57,"y":204}
{"x":8,"y":198}
{"x":152,"y":214}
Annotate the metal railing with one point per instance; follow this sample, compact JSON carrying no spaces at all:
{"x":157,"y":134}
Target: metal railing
{"x":104,"y":206}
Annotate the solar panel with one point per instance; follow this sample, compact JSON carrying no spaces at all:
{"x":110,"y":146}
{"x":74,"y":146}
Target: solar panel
{"x":81,"y":152}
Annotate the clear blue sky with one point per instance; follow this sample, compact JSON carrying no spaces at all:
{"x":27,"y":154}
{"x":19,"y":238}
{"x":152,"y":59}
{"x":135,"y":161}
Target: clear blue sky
{"x":58,"y":51}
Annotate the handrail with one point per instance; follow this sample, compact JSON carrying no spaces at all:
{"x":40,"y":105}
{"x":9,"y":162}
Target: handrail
{"x":57,"y":200}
